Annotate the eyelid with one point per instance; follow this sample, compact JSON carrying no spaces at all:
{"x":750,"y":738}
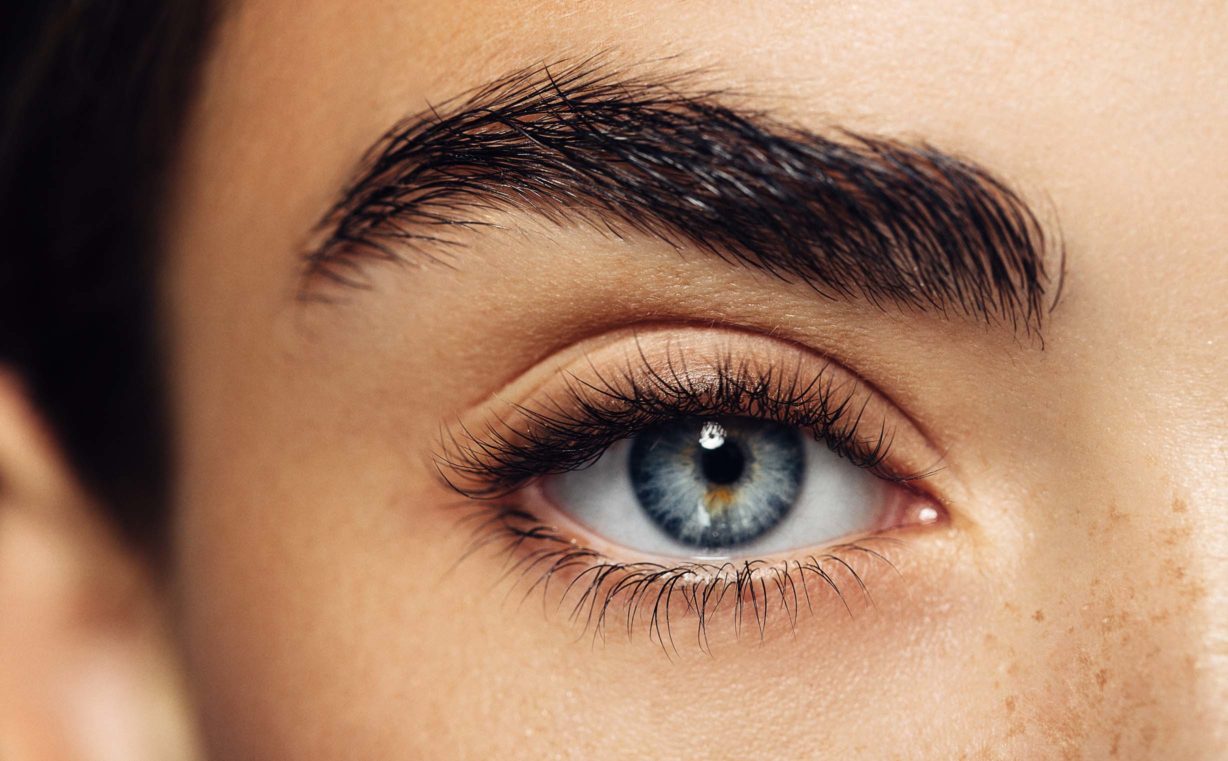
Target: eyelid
{"x":596,"y":582}
{"x":695,"y":358}
{"x":595,"y":591}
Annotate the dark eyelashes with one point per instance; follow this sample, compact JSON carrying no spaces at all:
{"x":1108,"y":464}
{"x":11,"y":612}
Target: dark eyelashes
{"x":595,"y":593}
{"x":573,"y":429}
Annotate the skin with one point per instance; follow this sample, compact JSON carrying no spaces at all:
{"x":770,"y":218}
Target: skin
{"x":1071,"y":604}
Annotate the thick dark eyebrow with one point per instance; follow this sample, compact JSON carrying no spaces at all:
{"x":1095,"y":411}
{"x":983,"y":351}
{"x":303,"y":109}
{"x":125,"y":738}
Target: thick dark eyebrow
{"x":849,"y":214}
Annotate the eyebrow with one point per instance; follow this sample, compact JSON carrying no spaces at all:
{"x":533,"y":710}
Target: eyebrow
{"x":850,"y":215}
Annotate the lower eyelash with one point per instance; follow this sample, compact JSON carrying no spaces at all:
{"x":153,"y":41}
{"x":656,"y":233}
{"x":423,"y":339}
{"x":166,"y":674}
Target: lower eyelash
{"x":594,"y":592}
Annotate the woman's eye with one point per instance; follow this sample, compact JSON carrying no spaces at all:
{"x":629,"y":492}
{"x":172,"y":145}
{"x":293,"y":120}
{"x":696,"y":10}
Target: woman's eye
{"x":721,"y":487}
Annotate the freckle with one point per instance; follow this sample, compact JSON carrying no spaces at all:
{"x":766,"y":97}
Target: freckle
{"x":1102,"y":678}
{"x":1010,"y":705}
{"x":1038,"y":616}
{"x":1194,"y":592}
{"x":1148,"y":735}
{"x":1179,"y":505}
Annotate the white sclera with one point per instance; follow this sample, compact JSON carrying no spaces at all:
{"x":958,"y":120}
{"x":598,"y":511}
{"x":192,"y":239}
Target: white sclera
{"x":837,"y":499}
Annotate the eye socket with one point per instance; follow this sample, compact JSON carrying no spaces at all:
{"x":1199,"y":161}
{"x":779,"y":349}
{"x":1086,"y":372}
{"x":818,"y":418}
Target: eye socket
{"x":626,"y":468}
{"x":718,"y":487}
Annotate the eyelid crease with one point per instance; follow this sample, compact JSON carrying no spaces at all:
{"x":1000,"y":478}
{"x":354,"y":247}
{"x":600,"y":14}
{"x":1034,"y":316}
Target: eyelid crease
{"x":611,"y":392}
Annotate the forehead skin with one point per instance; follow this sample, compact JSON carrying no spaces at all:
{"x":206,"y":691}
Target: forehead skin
{"x":1073,"y":610}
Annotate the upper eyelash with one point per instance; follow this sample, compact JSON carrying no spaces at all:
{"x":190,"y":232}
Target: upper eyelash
{"x":569,"y":433}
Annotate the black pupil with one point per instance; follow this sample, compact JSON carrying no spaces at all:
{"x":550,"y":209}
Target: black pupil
{"x":724,"y":464}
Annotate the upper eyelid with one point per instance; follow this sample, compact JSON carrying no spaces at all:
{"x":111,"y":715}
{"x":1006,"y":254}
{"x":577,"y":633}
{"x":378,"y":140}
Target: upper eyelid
{"x":857,"y":215}
{"x":464,"y":444}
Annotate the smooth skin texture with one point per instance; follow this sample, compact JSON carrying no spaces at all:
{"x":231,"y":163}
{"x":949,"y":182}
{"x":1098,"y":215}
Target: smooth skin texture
{"x":1073,"y":607}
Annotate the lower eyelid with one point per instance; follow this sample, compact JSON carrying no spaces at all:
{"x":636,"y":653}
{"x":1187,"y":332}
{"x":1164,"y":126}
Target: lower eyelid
{"x":698,"y":603}
{"x":550,"y":552}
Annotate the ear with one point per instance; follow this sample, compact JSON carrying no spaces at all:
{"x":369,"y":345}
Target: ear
{"x":87,"y":670}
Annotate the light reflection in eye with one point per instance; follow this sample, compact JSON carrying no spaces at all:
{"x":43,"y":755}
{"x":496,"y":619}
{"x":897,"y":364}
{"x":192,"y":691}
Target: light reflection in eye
{"x":711,"y":435}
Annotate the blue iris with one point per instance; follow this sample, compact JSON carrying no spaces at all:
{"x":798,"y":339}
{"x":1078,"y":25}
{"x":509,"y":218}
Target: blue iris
{"x":717,"y":482}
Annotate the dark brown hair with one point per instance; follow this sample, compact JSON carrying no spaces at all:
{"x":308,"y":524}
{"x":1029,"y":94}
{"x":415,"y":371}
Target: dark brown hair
{"x":94,"y":97}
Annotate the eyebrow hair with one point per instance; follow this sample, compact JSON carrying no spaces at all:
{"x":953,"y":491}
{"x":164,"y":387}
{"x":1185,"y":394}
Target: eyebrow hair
{"x":849,"y":215}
